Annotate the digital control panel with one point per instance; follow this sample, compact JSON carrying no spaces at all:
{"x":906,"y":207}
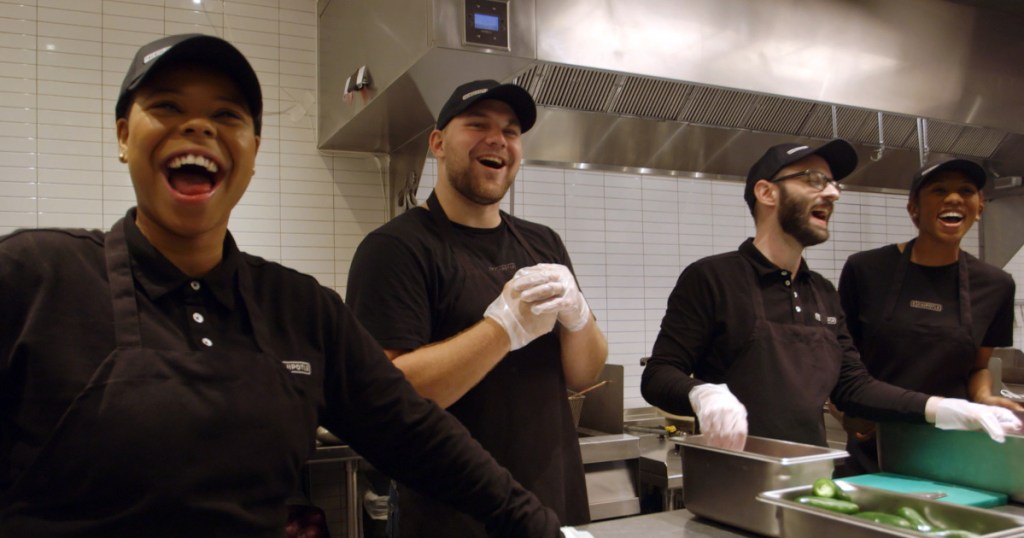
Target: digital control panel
{"x":487,"y":23}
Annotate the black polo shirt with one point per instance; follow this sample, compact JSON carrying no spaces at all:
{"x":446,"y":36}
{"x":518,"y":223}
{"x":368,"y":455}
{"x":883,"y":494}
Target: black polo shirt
{"x":56,"y":327}
{"x":709,"y":321}
{"x":866,"y":281}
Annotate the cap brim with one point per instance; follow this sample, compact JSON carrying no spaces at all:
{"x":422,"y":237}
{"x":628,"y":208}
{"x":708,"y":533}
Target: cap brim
{"x":971,"y":169}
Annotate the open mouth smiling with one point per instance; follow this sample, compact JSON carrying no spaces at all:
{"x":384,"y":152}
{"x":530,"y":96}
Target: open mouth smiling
{"x":951,"y":217}
{"x":821,"y":212}
{"x":192,"y":174}
{"x":491,"y":161}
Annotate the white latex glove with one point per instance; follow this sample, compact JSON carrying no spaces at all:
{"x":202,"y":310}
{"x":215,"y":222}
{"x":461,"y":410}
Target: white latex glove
{"x":569,"y":532}
{"x":514,"y":315}
{"x":551,"y":287}
{"x":957,"y":414}
{"x":722,"y":417}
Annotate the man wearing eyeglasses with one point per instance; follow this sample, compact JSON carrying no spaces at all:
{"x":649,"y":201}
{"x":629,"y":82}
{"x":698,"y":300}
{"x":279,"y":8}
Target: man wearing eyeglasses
{"x":755,"y":342}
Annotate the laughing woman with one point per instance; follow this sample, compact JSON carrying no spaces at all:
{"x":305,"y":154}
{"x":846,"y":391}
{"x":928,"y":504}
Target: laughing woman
{"x":925,"y":314}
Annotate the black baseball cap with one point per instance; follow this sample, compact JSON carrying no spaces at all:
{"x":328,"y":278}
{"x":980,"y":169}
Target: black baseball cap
{"x":838,"y":153}
{"x":197,"y":49}
{"x":971,"y":169}
{"x":470,"y":93}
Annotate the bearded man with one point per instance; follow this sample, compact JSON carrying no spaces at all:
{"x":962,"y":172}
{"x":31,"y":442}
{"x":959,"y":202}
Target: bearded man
{"x":754,"y":342}
{"x":421,"y":285}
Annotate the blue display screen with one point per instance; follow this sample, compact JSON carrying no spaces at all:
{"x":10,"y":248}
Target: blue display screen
{"x":486,"y":22}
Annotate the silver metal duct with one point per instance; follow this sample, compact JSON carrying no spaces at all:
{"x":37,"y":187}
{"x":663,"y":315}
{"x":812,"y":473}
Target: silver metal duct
{"x":696,"y":87}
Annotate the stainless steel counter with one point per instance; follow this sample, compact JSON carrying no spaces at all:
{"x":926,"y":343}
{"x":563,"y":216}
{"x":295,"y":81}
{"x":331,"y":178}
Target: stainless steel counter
{"x":682,"y":523}
{"x":674,"y":524}
{"x":350,"y":508}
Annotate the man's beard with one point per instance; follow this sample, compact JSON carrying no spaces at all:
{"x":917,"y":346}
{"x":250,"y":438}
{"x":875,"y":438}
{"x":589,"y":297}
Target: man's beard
{"x":794,"y":218}
{"x":463,"y":182}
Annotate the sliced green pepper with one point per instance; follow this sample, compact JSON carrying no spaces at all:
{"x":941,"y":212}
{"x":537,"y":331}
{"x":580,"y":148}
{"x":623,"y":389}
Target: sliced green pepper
{"x":915,"y":518}
{"x":825,"y":487}
{"x":835,"y":505}
{"x":885,"y":519}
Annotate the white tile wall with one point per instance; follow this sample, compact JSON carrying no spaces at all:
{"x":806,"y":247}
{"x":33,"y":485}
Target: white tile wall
{"x":61,"y":63}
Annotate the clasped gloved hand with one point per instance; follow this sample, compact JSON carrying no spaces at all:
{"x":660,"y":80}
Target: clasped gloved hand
{"x":723,"y":419}
{"x":570,"y":532}
{"x":957,"y":414}
{"x":514,"y":315}
{"x":551,"y":287}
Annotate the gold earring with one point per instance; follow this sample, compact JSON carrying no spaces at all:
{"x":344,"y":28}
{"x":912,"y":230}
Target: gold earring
{"x":978,"y":218}
{"x":121,"y":157}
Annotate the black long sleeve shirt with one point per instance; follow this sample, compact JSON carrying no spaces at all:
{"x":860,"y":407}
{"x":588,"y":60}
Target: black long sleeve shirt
{"x":709,"y":320}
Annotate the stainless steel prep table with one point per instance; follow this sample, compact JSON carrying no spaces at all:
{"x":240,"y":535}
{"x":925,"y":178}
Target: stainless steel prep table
{"x":674,"y":524}
{"x":682,"y":523}
{"x":351,"y":503}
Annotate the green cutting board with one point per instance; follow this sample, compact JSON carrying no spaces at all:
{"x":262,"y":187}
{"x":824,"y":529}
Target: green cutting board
{"x":908,"y":484}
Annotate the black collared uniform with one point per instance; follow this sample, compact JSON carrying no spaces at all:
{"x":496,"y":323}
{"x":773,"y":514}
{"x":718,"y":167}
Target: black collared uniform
{"x":780,"y":343}
{"x":420,"y":279}
{"x":920,"y":327}
{"x":136,"y":401}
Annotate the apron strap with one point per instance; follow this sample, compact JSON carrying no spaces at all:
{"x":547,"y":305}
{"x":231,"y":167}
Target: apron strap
{"x":127,"y":333}
{"x":519,"y":237}
{"x":966,"y":318}
{"x":261,"y":330}
{"x":444,"y":224}
{"x":964,"y":287}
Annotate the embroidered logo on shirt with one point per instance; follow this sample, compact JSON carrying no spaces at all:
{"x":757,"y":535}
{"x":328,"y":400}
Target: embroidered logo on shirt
{"x":829,"y":320}
{"x":924,"y":305}
{"x":505,"y":267}
{"x":298,"y":367}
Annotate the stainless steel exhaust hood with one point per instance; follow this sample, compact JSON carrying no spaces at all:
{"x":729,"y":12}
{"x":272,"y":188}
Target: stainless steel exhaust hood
{"x":696,"y":87}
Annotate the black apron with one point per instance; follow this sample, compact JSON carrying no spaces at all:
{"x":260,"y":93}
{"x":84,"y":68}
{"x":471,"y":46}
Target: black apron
{"x":519,"y":411}
{"x":167,"y":443}
{"x":925,"y":358}
{"x":784,"y":375}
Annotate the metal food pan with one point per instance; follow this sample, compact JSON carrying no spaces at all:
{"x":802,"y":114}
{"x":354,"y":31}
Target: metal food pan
{"x":723,"y":485}
{"x":801,"y":521}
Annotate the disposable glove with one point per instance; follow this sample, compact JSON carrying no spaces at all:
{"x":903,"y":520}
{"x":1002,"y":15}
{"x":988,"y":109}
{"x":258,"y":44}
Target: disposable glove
{"x":722,"y":417}
{"x":569,"y":532}
{"x":514,"y":315}
{"x":551,"y":287}
{"x":957,"y":414}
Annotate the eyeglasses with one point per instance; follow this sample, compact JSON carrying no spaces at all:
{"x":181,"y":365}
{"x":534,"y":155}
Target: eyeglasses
{"x":816,"y":179}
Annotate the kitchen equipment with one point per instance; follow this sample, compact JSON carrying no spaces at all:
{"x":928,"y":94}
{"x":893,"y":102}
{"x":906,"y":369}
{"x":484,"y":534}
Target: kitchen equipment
{"x":723,"y":485}
{"x":611,"y":467}
{"x":610,"y":457}
{"x":797,"y":520}
{"x":682,"y":423}
{"x":576,"y":400}
{"x":669,"y":86}
{"x":924,"y":451}
{"x":576,"y":406}
{"x":661,"y":467}
{"x":921,"y":486}
{"x":601,"y":383}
